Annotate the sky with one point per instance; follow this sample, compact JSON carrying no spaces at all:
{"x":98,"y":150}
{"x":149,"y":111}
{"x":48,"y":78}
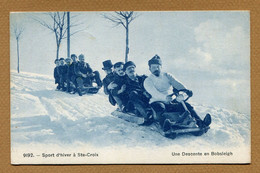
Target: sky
{"x":207,"y":51}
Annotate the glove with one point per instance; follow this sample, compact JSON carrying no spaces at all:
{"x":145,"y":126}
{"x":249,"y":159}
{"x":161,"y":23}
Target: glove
{"x":189,"y":92}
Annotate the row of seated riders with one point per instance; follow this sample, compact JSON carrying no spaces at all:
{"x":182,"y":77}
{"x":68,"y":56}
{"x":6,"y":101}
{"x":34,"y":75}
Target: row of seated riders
{"x":75,"y":75}
{"x":145,"y":96}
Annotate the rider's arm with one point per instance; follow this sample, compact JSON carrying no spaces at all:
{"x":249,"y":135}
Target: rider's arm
{"x":76,"y":70}
{"x":55,"y":72}
{"x":150,"y":88}
{"x":116,"y":89}
{"x":105,"y":86}
{"x":89,"y":69}
{"x":174,"y":83}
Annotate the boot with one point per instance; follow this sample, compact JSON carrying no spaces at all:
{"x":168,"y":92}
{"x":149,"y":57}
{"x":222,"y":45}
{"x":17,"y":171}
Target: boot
{"x":149,"y":117}
{"x":79,"y":91}
{"x":58,"y":87}
{"x":207,"y":120}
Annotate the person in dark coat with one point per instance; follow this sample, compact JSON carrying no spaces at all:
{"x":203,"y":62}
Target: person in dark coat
{"x":107,"y":67}
{"x":62,"y":71}
{"x":72,"y":70}
{"x":85,"y":75}
{"x":136,"y":92}
{"x":82,"y":70}
{"x":69,"y":74}
{"x":119,"y":89}
{"x":56,"y":74}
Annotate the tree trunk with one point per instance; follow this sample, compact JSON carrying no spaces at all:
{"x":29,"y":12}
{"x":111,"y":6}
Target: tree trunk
{"x":18,"y":59}
{"x":57,"y":44}
{"x":57,"y":53}
{"x":126,"y":43}
{"x":68,"y":34}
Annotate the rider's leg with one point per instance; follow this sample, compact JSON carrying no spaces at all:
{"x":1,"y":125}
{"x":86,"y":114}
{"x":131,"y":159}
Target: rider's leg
{"x":159,"y":108}
{"x":97,"y":78}
{"x":119,"y":102}
{"x":140,"y":106}
{"x":201,"y":123}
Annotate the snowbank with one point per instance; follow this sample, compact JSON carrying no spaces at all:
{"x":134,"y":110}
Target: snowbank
{"x":41,"y":116}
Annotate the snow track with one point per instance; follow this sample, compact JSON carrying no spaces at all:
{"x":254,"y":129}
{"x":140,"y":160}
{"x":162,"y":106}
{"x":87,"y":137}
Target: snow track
{"x":39,"y":114}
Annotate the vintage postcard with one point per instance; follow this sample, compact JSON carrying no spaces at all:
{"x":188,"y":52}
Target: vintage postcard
{"x":130,"y":87}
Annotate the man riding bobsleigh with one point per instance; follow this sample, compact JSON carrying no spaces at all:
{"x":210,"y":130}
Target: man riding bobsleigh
{"x":173,"y":115}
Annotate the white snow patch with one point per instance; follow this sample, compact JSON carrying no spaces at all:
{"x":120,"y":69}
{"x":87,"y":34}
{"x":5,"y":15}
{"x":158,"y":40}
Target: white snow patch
{"x":39,"y":114}
{"x":26,"y":105}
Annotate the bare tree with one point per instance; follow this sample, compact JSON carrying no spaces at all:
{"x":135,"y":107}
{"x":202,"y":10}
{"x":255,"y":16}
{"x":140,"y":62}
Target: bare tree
{"x":18,"y":30}
{"x":58,"y":25}
{"x":123,"y":18}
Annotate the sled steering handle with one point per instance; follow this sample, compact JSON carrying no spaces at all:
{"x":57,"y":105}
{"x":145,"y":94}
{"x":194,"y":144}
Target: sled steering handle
{"x":176,"y":93}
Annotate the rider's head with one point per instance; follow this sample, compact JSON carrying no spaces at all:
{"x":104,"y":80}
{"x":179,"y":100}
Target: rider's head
{"x":74,"y":57}
{"x":61,"y":61}
{"x":81,"y":58}
{"x":57,"y":62}
{"x":107,"y":66}
{"x":68,"y":61}
{"x":129,"y":68}
{"x":118,"y":68}
{"x":155,"y":65}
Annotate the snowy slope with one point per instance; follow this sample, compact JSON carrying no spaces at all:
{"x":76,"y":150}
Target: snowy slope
{"x":40,"y":115}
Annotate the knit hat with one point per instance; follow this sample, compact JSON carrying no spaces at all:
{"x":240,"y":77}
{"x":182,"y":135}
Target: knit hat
{"x":155,"y":60}
{"x":107,"y":65}
{"x":129,"y":63}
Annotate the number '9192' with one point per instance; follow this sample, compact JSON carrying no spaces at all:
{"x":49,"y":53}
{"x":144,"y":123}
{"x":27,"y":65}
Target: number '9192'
{"x":28,"y":155}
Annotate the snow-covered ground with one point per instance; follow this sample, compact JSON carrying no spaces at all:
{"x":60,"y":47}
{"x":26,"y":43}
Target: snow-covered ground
{"x":43,"y":117}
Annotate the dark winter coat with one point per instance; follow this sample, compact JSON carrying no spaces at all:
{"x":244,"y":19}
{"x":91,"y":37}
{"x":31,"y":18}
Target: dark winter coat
{"x":119,"y":81}
{"x":70,"y":71}
{"x":137,"y":85}
{"x":72,"y":68}
{"x":136,"y":92}
{"x":107,"y":80}
{"x":82,"y":68}
{"x":62,"y":71}
{"x":56,"y":75}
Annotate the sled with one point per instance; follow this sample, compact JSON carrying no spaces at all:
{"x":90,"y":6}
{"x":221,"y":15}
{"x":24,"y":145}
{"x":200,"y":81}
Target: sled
{"x":89,"y":90}
{"x":130,"y":117}
{"x":174,"y":132}
{"x":181,"y":122}
{"x":85,"y":90}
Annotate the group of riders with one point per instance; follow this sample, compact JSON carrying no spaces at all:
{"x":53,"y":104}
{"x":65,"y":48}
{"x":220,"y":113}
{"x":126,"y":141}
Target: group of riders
{"x":144,"y":96}
{"x":75,"y":75}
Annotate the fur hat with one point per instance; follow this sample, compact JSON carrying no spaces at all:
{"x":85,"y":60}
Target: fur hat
{"x":129,"y":63}
{"x":155,"y":60}
{"x":107,"y":65}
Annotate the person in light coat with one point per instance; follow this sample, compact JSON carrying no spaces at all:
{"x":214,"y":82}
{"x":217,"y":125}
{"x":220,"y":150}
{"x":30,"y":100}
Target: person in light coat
{"x":160,"y":86}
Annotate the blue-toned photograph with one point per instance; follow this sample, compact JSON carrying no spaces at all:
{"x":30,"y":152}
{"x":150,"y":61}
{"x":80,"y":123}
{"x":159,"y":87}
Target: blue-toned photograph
{"x":130,"y":87}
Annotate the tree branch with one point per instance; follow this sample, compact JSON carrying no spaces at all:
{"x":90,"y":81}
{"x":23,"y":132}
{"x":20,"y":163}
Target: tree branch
{"x":117,"y":21}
